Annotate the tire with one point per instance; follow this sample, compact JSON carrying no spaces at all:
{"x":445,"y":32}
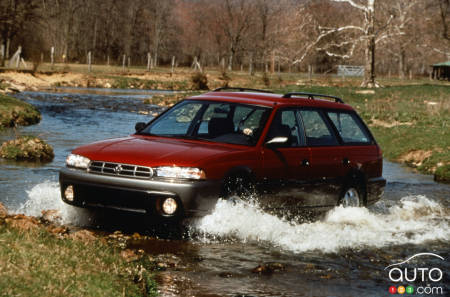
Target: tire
{"x":351,"y":197}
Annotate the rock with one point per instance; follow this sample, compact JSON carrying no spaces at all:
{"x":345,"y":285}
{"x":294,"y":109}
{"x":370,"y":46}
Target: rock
{"x":27,"y":148}
{"x":164,"y":261}
{"x":365,"y":92}
{"x":226,"y":274}
{"x":85,"y":236}
{"x":268,"y":268}
{"x":15,"y":112}
{"x":3,"y":211}
{"x":57,"y":230}
{"x":131,"y":255}
{"x":51,"y":215}
{"x":136,"y":236}
{"x":22,"y":222}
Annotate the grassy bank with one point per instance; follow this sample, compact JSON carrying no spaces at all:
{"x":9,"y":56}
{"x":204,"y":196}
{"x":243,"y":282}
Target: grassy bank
{"x":14,"y":112}
{"x":37,"y":263}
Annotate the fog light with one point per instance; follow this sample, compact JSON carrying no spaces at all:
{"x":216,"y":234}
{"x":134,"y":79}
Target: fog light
{"x":169,"y":206}
{"x":69,"y":194}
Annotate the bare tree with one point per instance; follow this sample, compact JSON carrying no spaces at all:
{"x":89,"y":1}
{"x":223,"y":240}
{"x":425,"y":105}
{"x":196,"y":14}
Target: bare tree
{"x":13,"y":16}
{"x":234,"y":17}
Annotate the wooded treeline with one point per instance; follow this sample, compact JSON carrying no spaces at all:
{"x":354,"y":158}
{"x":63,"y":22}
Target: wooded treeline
{"x":259,"y":34}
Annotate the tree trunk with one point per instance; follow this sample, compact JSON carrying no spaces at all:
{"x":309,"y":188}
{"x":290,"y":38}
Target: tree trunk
{"x":369,"y":69}
{"x":230,"y":61}
{"x":401,"y":64}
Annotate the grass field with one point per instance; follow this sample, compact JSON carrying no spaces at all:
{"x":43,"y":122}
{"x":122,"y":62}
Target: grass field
{"x":38,"y":263}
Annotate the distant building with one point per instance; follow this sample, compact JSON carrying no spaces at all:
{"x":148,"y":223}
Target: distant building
{"x":441,"y":71}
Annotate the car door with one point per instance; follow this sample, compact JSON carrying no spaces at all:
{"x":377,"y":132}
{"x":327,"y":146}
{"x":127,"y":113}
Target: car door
{"x":285,"y":165}
{"x":326,"y":168}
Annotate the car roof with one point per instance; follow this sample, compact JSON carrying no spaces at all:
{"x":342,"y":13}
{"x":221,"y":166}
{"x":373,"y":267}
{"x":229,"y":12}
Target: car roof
{"x":270,"y":100}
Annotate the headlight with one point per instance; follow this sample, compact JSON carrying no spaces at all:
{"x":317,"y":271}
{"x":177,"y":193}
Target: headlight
{"x":77,"y":161}
{"x":180,"y":172}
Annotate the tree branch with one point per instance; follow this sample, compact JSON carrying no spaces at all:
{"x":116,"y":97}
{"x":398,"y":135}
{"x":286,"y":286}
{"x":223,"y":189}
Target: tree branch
{"x":362,"y":7}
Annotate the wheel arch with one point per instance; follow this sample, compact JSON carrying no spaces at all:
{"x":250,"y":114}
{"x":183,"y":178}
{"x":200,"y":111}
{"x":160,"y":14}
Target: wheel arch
{"x":244,"y":172}
{"x":358,"y":179}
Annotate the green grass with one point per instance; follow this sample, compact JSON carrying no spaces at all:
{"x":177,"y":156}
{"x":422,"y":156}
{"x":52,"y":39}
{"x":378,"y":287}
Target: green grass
{"x":16,"y":112}
{"x":36,"y":263}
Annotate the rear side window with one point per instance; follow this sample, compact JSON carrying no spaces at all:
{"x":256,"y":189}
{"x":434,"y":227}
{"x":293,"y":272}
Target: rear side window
{"x":317,"y":131}
{"x":349,"y":127}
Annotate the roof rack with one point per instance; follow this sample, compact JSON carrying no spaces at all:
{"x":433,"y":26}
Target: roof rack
{"x":241,"y":89}
{"x":312,"y":96}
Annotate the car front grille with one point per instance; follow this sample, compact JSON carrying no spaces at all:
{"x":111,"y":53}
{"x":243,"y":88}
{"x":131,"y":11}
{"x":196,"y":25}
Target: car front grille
{"x":118,"y":169}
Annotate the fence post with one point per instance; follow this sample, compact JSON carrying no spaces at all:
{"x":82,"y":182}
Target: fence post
{"x":149,"y":61}
{"x":310,"y":73}
{"x":2,"y":54}
{"x":89,"y":61}
{"x":123,"y":62}
{"x":173,"y":63}
{"x":52,"y":56}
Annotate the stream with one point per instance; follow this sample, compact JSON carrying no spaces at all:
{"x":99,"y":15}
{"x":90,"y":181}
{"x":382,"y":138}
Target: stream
{"x":239,"y":250}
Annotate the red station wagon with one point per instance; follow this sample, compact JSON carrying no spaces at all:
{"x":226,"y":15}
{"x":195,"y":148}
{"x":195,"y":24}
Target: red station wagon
{"x":295,"y":151}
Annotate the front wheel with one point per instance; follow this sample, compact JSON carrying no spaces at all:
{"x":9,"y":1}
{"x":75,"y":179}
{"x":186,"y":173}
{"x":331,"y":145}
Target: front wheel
{"x":351,"y":197}
{"x":238,"y":188}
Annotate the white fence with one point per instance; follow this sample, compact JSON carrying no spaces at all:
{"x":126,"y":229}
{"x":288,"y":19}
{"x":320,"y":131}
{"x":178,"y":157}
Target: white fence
{"x":347,"y":70}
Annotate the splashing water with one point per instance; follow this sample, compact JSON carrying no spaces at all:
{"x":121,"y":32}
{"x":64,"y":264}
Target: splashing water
{"x":46,"y":196}
{"x":414,"y":219}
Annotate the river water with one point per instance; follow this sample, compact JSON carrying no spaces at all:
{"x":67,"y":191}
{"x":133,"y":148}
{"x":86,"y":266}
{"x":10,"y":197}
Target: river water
{"x":239,"y":250}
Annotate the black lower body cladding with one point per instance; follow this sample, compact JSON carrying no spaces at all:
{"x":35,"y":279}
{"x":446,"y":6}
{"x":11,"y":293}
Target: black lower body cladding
{"x":194,"y":198}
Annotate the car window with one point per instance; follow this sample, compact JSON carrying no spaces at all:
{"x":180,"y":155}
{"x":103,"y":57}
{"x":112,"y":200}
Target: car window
{"x":176,"y":121}
{"x":317,"y":131}
{"x":213,"y":121}
{"x":285,"y":124}
{"x":349,"y":127}
{"x":215,"y":110}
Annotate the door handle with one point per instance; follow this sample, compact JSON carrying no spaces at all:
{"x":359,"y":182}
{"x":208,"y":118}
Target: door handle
{"x":305,"y":162}
{"x":345,"y":161}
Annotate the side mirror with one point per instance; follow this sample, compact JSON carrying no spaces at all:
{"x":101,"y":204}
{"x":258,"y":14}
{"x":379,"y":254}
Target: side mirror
{"x":139,"y":126}
{"x":277,"y":140}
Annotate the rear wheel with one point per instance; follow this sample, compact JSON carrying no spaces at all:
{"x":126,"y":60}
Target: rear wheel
{"x":351,"y":197}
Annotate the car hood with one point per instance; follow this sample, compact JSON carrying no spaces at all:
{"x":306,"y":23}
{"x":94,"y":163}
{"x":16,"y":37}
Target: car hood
{"x":154,"y":151}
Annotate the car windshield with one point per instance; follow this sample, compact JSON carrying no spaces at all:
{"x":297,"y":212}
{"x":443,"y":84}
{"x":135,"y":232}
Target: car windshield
{"x":213,"y":121}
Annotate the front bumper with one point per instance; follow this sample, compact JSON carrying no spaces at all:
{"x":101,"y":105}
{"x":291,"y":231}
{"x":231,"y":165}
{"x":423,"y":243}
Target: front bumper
{"x":138,"y":195}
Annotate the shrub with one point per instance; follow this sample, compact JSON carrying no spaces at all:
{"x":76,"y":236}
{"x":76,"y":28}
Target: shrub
{"x":266,"y":79}
{"x":199,"y":81}
{"x":226,"y":78}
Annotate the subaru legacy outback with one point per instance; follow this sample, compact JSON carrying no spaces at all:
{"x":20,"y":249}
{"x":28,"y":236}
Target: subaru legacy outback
{"x":292,"y":151}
